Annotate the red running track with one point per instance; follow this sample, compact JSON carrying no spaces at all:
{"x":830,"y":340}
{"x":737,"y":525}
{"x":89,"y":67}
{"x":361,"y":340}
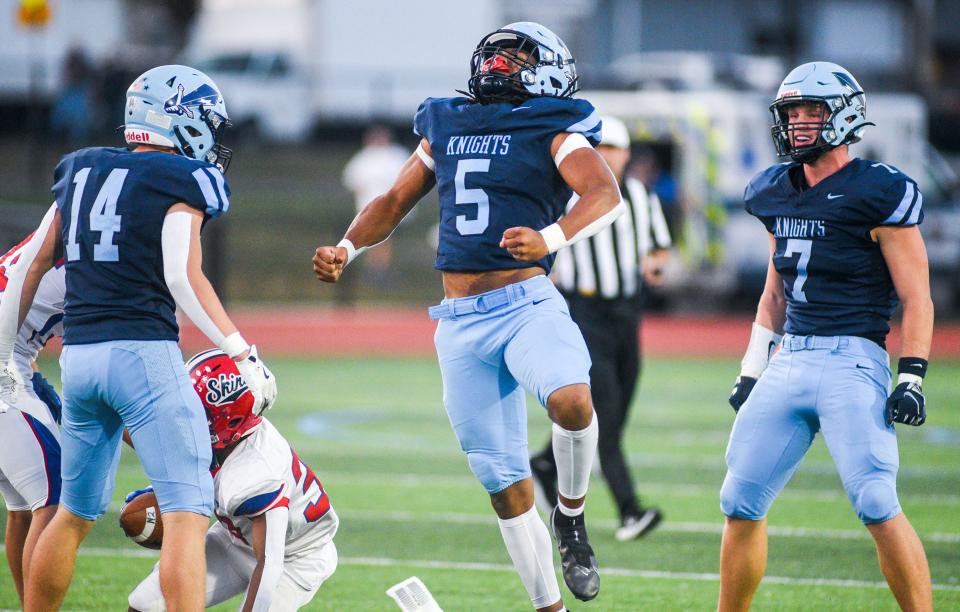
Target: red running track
{"x":397,"y":331}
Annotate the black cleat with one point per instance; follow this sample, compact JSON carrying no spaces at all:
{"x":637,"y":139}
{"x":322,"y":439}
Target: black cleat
{"x":638,"y":524}
{"x":545,"y":482}
{"x":576,"y":556}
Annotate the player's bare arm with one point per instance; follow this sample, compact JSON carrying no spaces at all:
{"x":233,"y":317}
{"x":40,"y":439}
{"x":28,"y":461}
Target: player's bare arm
{"x":765,"y":333}
{"x":380,"y":217}
{"x":586,"y":173}
{"x":906,"y":258}
{"x":269,"y":536}
{"x":772,"y":308}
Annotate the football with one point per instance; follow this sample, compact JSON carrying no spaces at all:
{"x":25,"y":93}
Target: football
{"x":140,"y":520}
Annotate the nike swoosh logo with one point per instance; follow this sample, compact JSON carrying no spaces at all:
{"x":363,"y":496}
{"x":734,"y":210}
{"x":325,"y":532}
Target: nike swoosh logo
{"x":831,"y":196}
{"x":519,"y":108}
{"x":863,"y":367}
{"x":535,"y":302}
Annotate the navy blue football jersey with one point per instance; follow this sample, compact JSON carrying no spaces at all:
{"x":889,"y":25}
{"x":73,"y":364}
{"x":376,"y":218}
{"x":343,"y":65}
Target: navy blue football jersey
{"x":112,"y":205}
{"x":835,"y":278}
{"x":494,"y":171}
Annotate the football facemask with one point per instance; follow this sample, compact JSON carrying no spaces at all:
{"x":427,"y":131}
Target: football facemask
{"x":226,"y":399}
{"x":520,"y":61}
{"x":844,"y":115}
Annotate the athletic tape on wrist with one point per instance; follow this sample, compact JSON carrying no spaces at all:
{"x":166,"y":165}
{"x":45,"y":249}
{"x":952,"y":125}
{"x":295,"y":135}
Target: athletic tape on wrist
{"x":762,"y":343}
{"x":234,"y":345}
{"x":554,"y":237}
{"x":352,"y":251}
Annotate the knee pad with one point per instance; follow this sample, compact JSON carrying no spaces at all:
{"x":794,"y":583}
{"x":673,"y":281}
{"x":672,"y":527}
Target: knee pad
{"x":744,"y":500}
{"x":875,"y":500}
{"x":497,"y":471}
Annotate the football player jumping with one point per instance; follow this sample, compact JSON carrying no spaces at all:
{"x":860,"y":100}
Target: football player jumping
{"x":29,"y":431}
{"x":128,"y":224}
{"x":274,"y":538}
{"x":504,"y":160}
{"x":844,"y":245}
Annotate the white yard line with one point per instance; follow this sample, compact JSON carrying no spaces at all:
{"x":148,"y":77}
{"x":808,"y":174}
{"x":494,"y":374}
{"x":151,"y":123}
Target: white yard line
{"x":667,"y":526}
{"x":503,"y":567}
{"x":674,"y":489}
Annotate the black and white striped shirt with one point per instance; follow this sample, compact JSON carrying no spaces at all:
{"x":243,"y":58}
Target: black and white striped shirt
{"x":609,"y":264}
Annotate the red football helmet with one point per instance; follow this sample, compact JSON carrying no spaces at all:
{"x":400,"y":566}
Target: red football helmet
{"x":225,"y":396}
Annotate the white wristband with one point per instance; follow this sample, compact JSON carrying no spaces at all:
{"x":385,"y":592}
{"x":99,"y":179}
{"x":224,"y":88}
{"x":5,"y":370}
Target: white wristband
{"x":762,"y":343}
{"x":554,"y":237}
{"x":352,"y":251}
{"x":234,"y":345}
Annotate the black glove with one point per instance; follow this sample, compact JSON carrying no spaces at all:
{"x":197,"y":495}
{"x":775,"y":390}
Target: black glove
{"x":741,"y":390}
{"x":906,"y":405}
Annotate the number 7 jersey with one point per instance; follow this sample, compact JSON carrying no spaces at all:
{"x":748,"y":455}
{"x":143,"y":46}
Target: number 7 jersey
{"x":835,"y":278}
{"x":113,"y":203}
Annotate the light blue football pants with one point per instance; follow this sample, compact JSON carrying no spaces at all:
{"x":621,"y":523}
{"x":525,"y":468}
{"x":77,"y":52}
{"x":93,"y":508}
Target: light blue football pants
{"x":837,"y":385}
{"x":491,"y":348}
{"x":143,"y":386}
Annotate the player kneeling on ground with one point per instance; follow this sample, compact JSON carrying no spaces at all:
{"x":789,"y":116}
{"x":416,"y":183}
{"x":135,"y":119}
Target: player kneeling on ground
{"x":274,"y":535}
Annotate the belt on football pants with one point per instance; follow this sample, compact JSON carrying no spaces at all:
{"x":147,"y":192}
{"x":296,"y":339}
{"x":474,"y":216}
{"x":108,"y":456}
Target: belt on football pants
{"x":485,"y":302}
{"x":807,"y":343}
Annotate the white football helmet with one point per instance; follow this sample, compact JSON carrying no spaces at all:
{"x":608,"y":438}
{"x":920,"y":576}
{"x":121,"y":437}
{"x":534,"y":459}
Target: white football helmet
{"x":844,"y":118}
{"x":181,"y":108}
{"x":519,"y":61}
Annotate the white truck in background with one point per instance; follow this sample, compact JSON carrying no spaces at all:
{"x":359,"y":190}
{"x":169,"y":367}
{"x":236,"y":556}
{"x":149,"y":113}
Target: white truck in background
{"x":285,"y":64}
{"x":32,"y":57}
{"x":719,"y":139}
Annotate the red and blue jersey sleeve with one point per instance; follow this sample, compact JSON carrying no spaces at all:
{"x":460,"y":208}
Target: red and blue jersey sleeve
{"x":259,"y":500}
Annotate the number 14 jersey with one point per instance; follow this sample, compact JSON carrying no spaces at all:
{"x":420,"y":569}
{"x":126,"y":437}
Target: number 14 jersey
{"x":112,"y":206}
{"x":835,"y":277}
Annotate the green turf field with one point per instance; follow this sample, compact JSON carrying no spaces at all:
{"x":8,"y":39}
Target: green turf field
{"x":376,"y":434}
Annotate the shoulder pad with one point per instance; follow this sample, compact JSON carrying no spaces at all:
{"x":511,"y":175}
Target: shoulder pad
{"x":565,"y":115}
{"x":250,"y":489}
{"x":197,"y":183}
{"x":763,"y":183}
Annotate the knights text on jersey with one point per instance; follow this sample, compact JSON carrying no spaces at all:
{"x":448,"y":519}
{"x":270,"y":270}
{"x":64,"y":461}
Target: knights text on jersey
{"x":494,"y":171}
{"x":112,"y":207}
{"x":835,"y":278}
{"x":264,"y":472}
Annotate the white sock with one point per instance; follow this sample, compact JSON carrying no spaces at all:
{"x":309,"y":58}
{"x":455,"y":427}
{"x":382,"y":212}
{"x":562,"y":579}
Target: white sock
{"x":574,"y":452}
{"x":529,"y":545}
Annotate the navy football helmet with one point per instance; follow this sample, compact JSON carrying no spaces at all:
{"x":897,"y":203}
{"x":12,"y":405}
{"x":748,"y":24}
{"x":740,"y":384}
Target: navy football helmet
{"x":519,"y":61}
{"x":181,"y":108}
{"x":844,"y":110}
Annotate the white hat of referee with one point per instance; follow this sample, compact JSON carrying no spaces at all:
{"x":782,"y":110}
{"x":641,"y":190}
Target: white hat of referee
{"x":614,"y":133}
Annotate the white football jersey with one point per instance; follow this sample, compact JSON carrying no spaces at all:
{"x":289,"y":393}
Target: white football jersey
{"x":45,"y":318}
{"x":264,"y":472}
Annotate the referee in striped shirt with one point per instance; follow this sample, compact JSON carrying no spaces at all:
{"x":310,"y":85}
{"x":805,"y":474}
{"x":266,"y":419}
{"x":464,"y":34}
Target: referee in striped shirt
{"x":602,"y":279}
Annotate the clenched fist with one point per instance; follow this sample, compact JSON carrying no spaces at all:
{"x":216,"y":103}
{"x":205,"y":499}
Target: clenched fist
{"x":524,"y":244}
{"x":328,"y":263}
